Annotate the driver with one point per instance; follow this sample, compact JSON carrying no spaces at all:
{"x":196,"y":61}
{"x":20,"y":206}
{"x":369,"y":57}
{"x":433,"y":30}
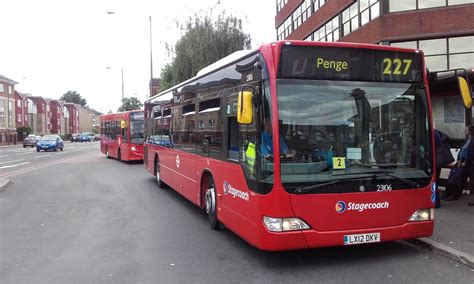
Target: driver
{"x":266,"y":148}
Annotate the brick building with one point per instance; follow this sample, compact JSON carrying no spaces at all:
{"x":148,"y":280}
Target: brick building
{"x":88,"y":119}
{"x":443,"y":29}
{"x":56,"y":117}
{"x":7,"y":111}
{"x":39,"y":119}
{"x":73,"y":120}
{"x":21,"y":109}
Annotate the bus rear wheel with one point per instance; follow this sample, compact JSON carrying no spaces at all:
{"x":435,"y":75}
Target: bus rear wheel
{"x":161,"y":184}
{"x":211,"y":203}
{"x":119,"y":155}
{"x":107,"y":152}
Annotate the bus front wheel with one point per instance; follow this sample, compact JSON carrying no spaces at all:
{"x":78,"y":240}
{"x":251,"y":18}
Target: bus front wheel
{"x":211,"y":203}
{"x":119,"y":155}
{"x":107,"y":152}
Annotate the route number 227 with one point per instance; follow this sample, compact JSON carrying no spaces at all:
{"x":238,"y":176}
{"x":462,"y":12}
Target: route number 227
{"x":395,"y":66}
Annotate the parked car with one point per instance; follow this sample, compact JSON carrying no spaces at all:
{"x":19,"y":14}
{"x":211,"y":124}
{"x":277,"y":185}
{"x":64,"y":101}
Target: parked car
{"x":86,"y":137}
{"x":76,"y":137}
{"x":50,"y":142}
{"x":30,"y":141}
{"x":162,"y":140}
{"x":96,"y":137}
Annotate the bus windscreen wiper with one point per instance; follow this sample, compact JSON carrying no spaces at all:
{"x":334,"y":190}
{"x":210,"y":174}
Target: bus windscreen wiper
{"x":304,"y":189}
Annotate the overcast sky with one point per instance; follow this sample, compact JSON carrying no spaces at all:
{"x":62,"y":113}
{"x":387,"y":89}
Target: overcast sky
{"x":52,"y":46}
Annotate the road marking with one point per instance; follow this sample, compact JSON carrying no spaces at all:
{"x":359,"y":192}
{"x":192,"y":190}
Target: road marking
{"x":41,"y":156}
{"x":7,"y":162}
{"x":24,"y":153}
{"x":12,"y":166}
{"x":4,"y":156}
{"x":33,"y":168}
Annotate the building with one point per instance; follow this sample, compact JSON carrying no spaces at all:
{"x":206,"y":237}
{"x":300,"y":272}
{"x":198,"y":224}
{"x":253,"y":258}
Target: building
{"x":21,"y":109}
{"x":56,"y":117}
{"x":73,"y":117}
{"x":65,"y":123}
{"x":39,"y":121}
{"x":88,"y":119}
{"x":154,"y":86}
{"x":443,"y":29}
{"x":7,"y":111}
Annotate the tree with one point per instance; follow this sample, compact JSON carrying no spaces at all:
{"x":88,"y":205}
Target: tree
{"x":130,"y":104}
{"x":73,"y":97}
{"x":204,"y":42}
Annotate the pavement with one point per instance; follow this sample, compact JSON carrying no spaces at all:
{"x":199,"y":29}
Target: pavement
{"x":453,"y":236}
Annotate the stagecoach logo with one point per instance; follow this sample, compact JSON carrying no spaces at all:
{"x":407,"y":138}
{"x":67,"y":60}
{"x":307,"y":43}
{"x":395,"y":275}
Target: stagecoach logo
{"x":177,"y":161}
{"x":228,"y":189}
{"x":351,"y":206}
{"x":340,"y":207}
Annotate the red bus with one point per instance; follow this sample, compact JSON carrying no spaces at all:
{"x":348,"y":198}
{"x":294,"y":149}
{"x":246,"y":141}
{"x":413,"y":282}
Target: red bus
{"x":304,"y":144}
{"x":122,"y":135}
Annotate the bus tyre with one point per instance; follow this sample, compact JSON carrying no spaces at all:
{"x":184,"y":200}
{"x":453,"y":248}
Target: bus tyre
{"x":107,"y":152}
{"x":119,"y":155}
{"x":161,"y":184}
{"x":211,"y":204}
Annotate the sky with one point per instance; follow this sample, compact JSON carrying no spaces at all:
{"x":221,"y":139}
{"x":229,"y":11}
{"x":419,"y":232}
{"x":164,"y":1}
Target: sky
{"x":52,"y":46}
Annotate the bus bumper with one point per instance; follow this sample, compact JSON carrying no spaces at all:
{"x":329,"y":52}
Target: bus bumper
{"x":314,"y":239}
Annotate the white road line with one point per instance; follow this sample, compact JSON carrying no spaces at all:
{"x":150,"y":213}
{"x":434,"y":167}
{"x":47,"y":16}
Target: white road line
{"x":12,"y":166}
{"x":14,"y":161}
{"x":41,"y":156}
{"x":4,"y":156}
{"x":24,"y":153}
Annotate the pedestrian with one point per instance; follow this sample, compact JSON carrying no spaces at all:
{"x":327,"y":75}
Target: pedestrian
{"x":457,"y":180}
{"x":444,"y":158}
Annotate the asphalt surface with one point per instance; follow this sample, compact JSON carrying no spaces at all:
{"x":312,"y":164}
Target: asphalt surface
{"x":84,"y":219}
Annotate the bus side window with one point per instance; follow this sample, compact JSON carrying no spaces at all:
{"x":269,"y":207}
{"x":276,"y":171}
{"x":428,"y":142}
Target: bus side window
{"x":124,"y":135}
{"x":233,"y":126}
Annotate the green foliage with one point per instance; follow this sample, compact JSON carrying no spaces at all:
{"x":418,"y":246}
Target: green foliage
{"x":204,"y":42}
{"x":95,"y":131}
{"x":130,"y":104}
{"x":23,"y":129}
{"x":73,"y":97}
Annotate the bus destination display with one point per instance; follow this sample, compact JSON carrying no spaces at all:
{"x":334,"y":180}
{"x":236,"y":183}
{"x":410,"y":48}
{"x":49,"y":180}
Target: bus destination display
{"x":349,"y":64}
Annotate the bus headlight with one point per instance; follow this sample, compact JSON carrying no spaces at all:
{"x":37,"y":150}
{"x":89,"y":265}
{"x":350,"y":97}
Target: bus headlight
{"x":284,"y":224}
{"x":133,"y":148}
{"x":422,"y":215}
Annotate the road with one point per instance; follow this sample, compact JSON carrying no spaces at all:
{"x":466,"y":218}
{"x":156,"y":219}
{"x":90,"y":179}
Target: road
{"x":78,"y":217}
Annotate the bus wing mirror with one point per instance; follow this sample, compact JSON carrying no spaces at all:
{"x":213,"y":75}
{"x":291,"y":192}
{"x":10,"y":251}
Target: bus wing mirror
{"x":465,"y":93}
{"x":244,"y":107}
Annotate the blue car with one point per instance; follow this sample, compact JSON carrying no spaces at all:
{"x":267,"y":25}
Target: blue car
{"x":162,"y":140}
{"x":50,"y":142}
{"x":86,"y":137}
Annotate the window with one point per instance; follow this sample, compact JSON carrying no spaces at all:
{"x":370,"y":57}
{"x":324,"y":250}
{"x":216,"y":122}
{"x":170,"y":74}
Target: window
{"x":10,"y":89}
{"x":444,"y":53}
{"x":2,"y":88}
{"x":328,"y":32}
{"x":18,"y":117}
{"x":26,"y":117}
{"x":407,"y":5}
{"x":298,"y":17}
{"x":359,"y":14}
{"x":2,"y":110}
{"x":18,"y":103}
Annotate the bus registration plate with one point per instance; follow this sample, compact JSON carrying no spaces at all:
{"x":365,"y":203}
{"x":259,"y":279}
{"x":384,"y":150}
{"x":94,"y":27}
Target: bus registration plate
{"x":361,"y":239}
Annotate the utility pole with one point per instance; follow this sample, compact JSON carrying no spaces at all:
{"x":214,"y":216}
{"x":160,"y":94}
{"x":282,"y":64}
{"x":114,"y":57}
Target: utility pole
{"x":151,"y":62}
